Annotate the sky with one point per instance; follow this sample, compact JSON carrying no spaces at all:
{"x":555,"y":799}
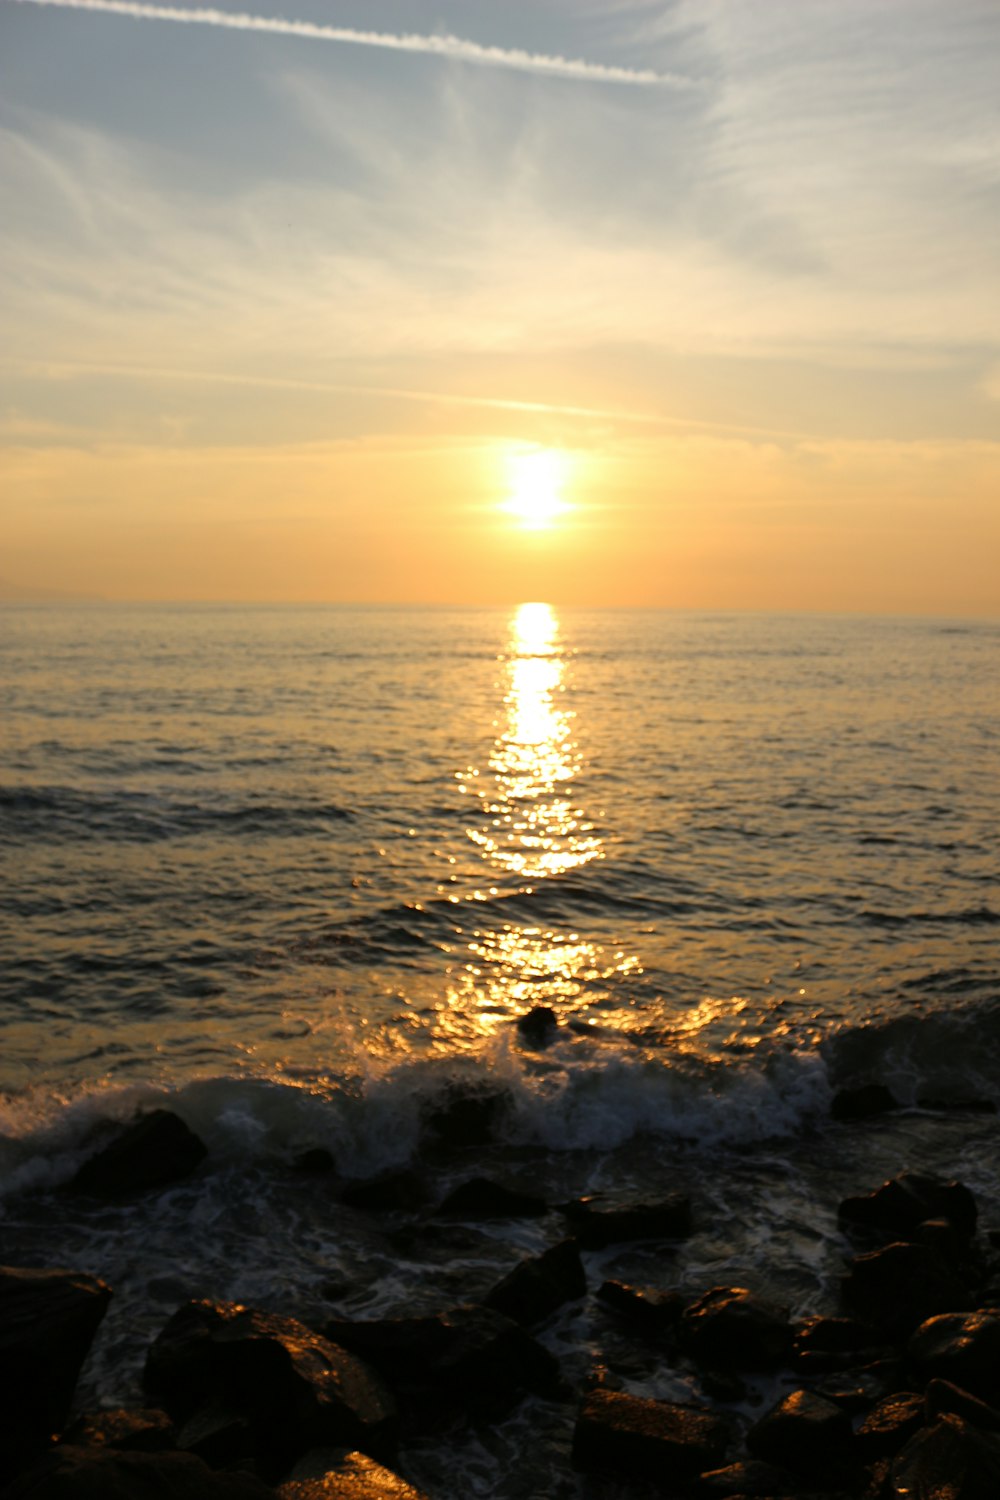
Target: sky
{"x":680,"y":303}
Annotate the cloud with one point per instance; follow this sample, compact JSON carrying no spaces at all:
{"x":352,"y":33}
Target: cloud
{"x":459,"y":49}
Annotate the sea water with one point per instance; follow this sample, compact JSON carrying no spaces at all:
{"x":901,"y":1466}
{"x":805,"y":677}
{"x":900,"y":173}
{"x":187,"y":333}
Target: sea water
{"x":293,"y":872}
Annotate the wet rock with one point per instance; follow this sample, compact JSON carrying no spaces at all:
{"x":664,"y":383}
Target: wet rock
{"x":889,"y":1425}
{"x":863,"y":1102}
{"x":538,"y":1286}
{"x":458,"y":1118}
{"x":389,"y":1193}
{"x":328,"y":1474}
{"x":296,"y":1388}
{"x":154,"y":1150}
{"x":222,"y":1436}
{"x":653,"y":1313}
{"x":751,"y":1477}
{"x":802,"y":1432}
{"x":942,"y":1396}
{"x":729,"y":1328}
{"x":948,"y":1461}
{"x":538,"y":1027}
{"x":963,"y":1348}
{"x":821,"y":1345}
{"x":147,"y":1430}
{"x":481,"y":1198}
{"x":898,"y":1287}
{"x":47,"y":1323}
{"x":69,"y":1473}
{"x":479,"y":1359}
{"x":858,"y":1390}
{"x":597,"y":1222}
{"x":639,"y":1438}
{"x":903,"y":1203}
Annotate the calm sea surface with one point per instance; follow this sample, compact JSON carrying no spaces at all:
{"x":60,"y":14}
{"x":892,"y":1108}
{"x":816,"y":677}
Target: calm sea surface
{"x":293,"y":871}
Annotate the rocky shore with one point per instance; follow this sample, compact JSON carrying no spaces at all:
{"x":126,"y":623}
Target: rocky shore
{"x":893,"y":1392}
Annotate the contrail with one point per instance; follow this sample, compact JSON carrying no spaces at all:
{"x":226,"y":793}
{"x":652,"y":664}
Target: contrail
{"x":454,"y":47}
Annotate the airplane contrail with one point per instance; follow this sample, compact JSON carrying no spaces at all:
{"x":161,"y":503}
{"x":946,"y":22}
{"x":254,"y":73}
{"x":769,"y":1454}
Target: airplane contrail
{"x":455,"y":47}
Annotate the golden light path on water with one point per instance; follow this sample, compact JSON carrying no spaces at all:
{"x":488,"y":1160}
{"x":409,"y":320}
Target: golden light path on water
{"x":530,"y":829}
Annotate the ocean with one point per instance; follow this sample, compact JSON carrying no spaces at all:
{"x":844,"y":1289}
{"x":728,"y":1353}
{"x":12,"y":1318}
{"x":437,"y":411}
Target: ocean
{"x":295,"y":873}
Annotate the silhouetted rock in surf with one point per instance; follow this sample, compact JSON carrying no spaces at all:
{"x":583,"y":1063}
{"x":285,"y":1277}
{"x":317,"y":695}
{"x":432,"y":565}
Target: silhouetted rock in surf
{"x":390,"y":1192}
{"x":597,"y":1222}
{"x":156,"y":1149}
{"x":903,"y":1203}
{"x":897,"y":1287}
{"x":863,"y":1102}
{"x":651,"y":1313}
{"x":538,"y":1027}
{"x":481,"y":1198}
{"x":728,"y":1328}
{"x":538,"y":1286}
{"x":459,"y":1117}
{"x":803,"y":1432}
{"x":963,"y":1348}
{"x":636,"y":1438}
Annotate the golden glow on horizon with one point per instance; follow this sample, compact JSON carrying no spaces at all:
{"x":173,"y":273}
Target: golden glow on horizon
{"x":536,"y":481}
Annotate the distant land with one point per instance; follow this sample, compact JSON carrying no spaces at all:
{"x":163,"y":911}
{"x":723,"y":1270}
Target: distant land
{"x":26,"y":593}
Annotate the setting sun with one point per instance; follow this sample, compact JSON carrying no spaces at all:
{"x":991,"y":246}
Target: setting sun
{"x":536,"y":481}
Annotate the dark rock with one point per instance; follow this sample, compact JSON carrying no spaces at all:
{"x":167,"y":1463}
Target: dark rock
{"x":297,"y":1389}
{"x":155,"y":1149}
{"x":458,"y":1118}
{"x":900,"y":1286}
{"x":828,"y":1345}
{"x":47,"y":1323}
{"x":948,"y":1461}
{"x":751,"y":1477}
{"x":475,"y":1356}
{"x":481,"y":1198}
{"x":145,"y":1431}
{"x":538,"y":1026}
{"x":638,"y":1438}
{"x":68,"y":1473}
{"x":326,"y":1474}
{"x":541,"y":1284}
{"x":863,"y":1102}
{"x":905,"y":1202}
{"x":857,"y":1390}
{"x":942,"y":1396}
{"x":316,"y":1162}
{"x":723,"y":1385}
{"x":960,"y":1106}
{"x":803,"y":1432}
{"x":390,"y":1193}
{"x":730,"y":1328}
{"x":597,"y":1223}
{"x":653,"y":1313}
{"x":223,"y":1437}
{"x":889,"y":1425}
{"x":963,"y":1348}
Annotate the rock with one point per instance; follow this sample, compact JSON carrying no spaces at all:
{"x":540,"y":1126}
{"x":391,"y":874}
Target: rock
{"x":144,"y":1431}
{"x":751,"y":1477}
{"x":903,"y":1203}
{"x":889,"y":1425}
{"x":459,"y":1117}
{"x":389,"y":1193}
{"x":597,"y":1223}
{"x":326,"y":1474}
{"x":728,"y":1328}
{"x":69,"y":1473}
{"x":822,"y":1345}
{"x":640,"y":1438}
{"x":316,"y":1162}
{"x":155,"y":1149}
{"x":224,"y":1437}
{"x":803,"y":1432}
{"x":963,"y":1348}
{"x":863,"y":1102}
{"x":479,"y":1359}
{"x":959,"y":1106}
{"x":296,"y":1388}
{"x":900,"y":1286}
{"x":538,"y":1027}
{"x":47,"y":1323}
{"x":948,"y":1461}
{"x":653,"y":1313}
{"x":540,"y":1285}
{"x":942,"y":1396}
{"x":481,"y":1198}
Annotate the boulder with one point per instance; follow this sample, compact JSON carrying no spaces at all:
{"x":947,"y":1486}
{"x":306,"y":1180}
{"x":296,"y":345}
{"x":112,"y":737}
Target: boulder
{"x":541,"y":1284}
{"x":69,"y":1473}
{"x":889,"y":1425}
{"x":949,"y":1460}
{"x":750,"y":1477}
{"x":902,"y":1204}
{"x":653,"y":1313}
{"x":478,"y":1359}
{"x":863,"y":1102}
{"x":901,"y":1285}
{"x":802,"y":1432}
{"x":47,"y":1323}
{"x":638,"y":1438}
{"x":326,"y":1474}
{"x":942,"y":1396}
{"x":597,"y":1222}
{"x":481,"y":1198}
{"x":460,"y":1117}
{"x":224,"y":1437}
{"x":822,"y":1345}
{"x":729,"y":1328}
{"x":156,"y":1149}
{"x":538,"y":1026}
{"x":295,"y":1388}
{"x":963,"y":1348}
{"x":147,"y":1430}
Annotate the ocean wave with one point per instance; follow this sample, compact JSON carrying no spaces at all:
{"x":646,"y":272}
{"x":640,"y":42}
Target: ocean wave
{"x":70,"y":814}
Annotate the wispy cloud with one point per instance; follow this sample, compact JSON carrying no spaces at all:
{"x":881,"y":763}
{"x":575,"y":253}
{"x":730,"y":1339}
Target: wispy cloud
{"x":457,"y":48}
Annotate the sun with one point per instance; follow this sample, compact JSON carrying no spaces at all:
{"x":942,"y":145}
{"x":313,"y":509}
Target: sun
{"x":536,"y":480}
